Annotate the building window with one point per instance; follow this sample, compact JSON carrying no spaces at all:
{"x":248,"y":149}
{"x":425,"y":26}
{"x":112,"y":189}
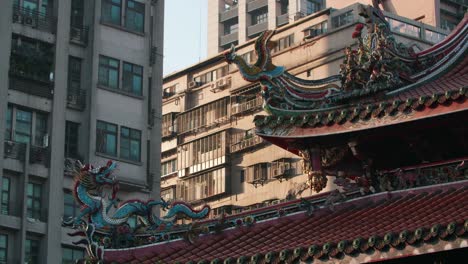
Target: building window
{"x":260,"y":16}
{"x":108,"y":72}
{"x":9,"y":123}
{"x":34,"y":200}
{"x":71,"y":139}
{"x":6,"y":185}
{"x":70,"y":255}
{"x":132,"y":78}
{"x":106,"y":138}
{"x":257,"y":174}
{"x":242,"y":176}
{"x":111,"y":11}
{"x":202,"y":186}
{"x":211,"y":75}
{"x":405,"y":28}
{"x":168,"y":125}
{"x":23,"y":126}
{"x":208,"y":151}
{"x":313,"y":6}
{"x":170,"y":91}
{"x":231,"y":26}
{"x":135,"y":16}
{"x":168,"y":167}
{"x":70,"y":207}
{"x":203,"y":116}
{"x":316,"y":30}
{"x":168,"y":194}
{"x":3,"y":248}
{"x":41,"y":136}
{"x":249,"y":57}
{"x":32,"y":251}
{"x":77,"y":13}
{"x":130,"y":143}
{"x":284,"y":43}
{"x":74,"y":73}
{"x":343,"y":19}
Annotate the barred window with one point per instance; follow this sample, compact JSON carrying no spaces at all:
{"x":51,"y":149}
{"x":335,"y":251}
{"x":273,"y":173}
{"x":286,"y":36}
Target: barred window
{"x":130,"y":143}
{"x":168,"y":167}
{"x":205,"y":115}
{"x":34,"y":200}
{"x":257,"y":172}
{"x":202,"y":186}
{"x":106,"y":138}
{"x":6,"y":189}
{"x":168,"y":125}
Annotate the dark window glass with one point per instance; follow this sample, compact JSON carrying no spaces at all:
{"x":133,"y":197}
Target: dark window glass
{"x":242,"y":176}
{"x":342,"y":19}
{"x":32,"y":251}
{"x":3,"y":248}
{"x":231,"y":26}
{"x":6,"y":185}
{"x":111,"y":11}
{"x":70,"y":255}
{"x":108,"y":72}
{"x":34,"y":200}
{"x":77,"y":11}
{"x":70,"y":207}
{"x":23,"y":126}
{"x":9,"y":123}
{"x":41,"y":130}
{"x":260,"y":16}
{"x":74,"y":73}
{"x":30,"y":5}
{"x":130,"y":143}
{"x":132,"y":78}
{"x":135,"y":16}
{"x":313,"y":6}
{"x":71,"y":139}
{"x":106,"y":138}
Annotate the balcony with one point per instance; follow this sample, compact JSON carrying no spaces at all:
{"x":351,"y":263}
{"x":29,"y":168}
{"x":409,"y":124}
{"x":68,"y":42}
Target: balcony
{"x":282,"y":20}
{"x":246,"y":107}
{"x":76,"y":98}
{"x":254,"y":30}
{"x":14,"y":150}
{"x":39,"y":155}
{"x":79,"y":35}
{"x":256,"y":4}
{"x":246,"y":143}
{"x":35,"y":19}
{"x":23,"y":83}
{"x":229,"y":14}
{"x":228,"y":39}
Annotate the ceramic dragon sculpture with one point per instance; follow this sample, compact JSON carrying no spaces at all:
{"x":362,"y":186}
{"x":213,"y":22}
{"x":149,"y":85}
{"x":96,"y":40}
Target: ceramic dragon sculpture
{"x":104,"y":212}
{"x":280,"y":89}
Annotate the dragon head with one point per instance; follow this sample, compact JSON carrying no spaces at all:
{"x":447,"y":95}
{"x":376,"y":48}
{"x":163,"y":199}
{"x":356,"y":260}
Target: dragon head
{"x":230,"y":54}
{"x":93,"y":178}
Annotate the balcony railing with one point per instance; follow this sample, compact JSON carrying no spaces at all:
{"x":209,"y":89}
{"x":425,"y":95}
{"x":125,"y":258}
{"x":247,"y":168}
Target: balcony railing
{"x":246,"y":143}
{"x":14,"y":150}
{"x":228,"y":14}
{"x":35,"y":19}
{"x":79,"y":35}
{"x":229,"y":38}
{"x":256,"y":4}
{"x":26,"y":84}
{"x":245,"y":107}
{"x":76,"y":98}
{"x":257,"y":29}
{"x":39,"y":155}
{"x":282,"y":19}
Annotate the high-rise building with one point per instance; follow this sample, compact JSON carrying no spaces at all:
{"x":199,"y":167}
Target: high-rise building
{"x":79,"y":80}
{"x":233,"y":22}
{"x":210,"y":152}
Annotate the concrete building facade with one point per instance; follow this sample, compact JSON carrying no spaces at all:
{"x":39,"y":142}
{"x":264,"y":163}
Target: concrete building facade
{"x":210,"y":153}
{"x":233,"y":22}
{"x":79,"y":80}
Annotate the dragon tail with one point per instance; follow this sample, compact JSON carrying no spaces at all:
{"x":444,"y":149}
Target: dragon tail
{"x":181,"y":208}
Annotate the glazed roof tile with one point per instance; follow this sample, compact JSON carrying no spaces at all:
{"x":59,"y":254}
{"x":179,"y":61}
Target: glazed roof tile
{"x":375,"y":215}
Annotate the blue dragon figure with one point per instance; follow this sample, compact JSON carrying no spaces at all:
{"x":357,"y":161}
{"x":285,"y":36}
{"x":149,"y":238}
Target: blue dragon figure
{"x":98,"y":209}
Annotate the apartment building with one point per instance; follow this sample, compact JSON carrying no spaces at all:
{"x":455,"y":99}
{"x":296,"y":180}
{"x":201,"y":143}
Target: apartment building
{"x":233,"y":22}
{"x":210,"y":153}
{"x":79,"y":80}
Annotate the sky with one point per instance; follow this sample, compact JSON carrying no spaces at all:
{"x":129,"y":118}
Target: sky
{"x":185,"y":37}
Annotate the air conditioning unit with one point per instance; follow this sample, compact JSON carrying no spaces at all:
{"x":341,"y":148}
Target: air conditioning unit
{"x":193,"y":84}
{"x":235,"y":109}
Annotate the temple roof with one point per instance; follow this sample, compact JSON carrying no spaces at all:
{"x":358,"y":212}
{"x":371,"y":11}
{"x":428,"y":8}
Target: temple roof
{"x":358,"y":226}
